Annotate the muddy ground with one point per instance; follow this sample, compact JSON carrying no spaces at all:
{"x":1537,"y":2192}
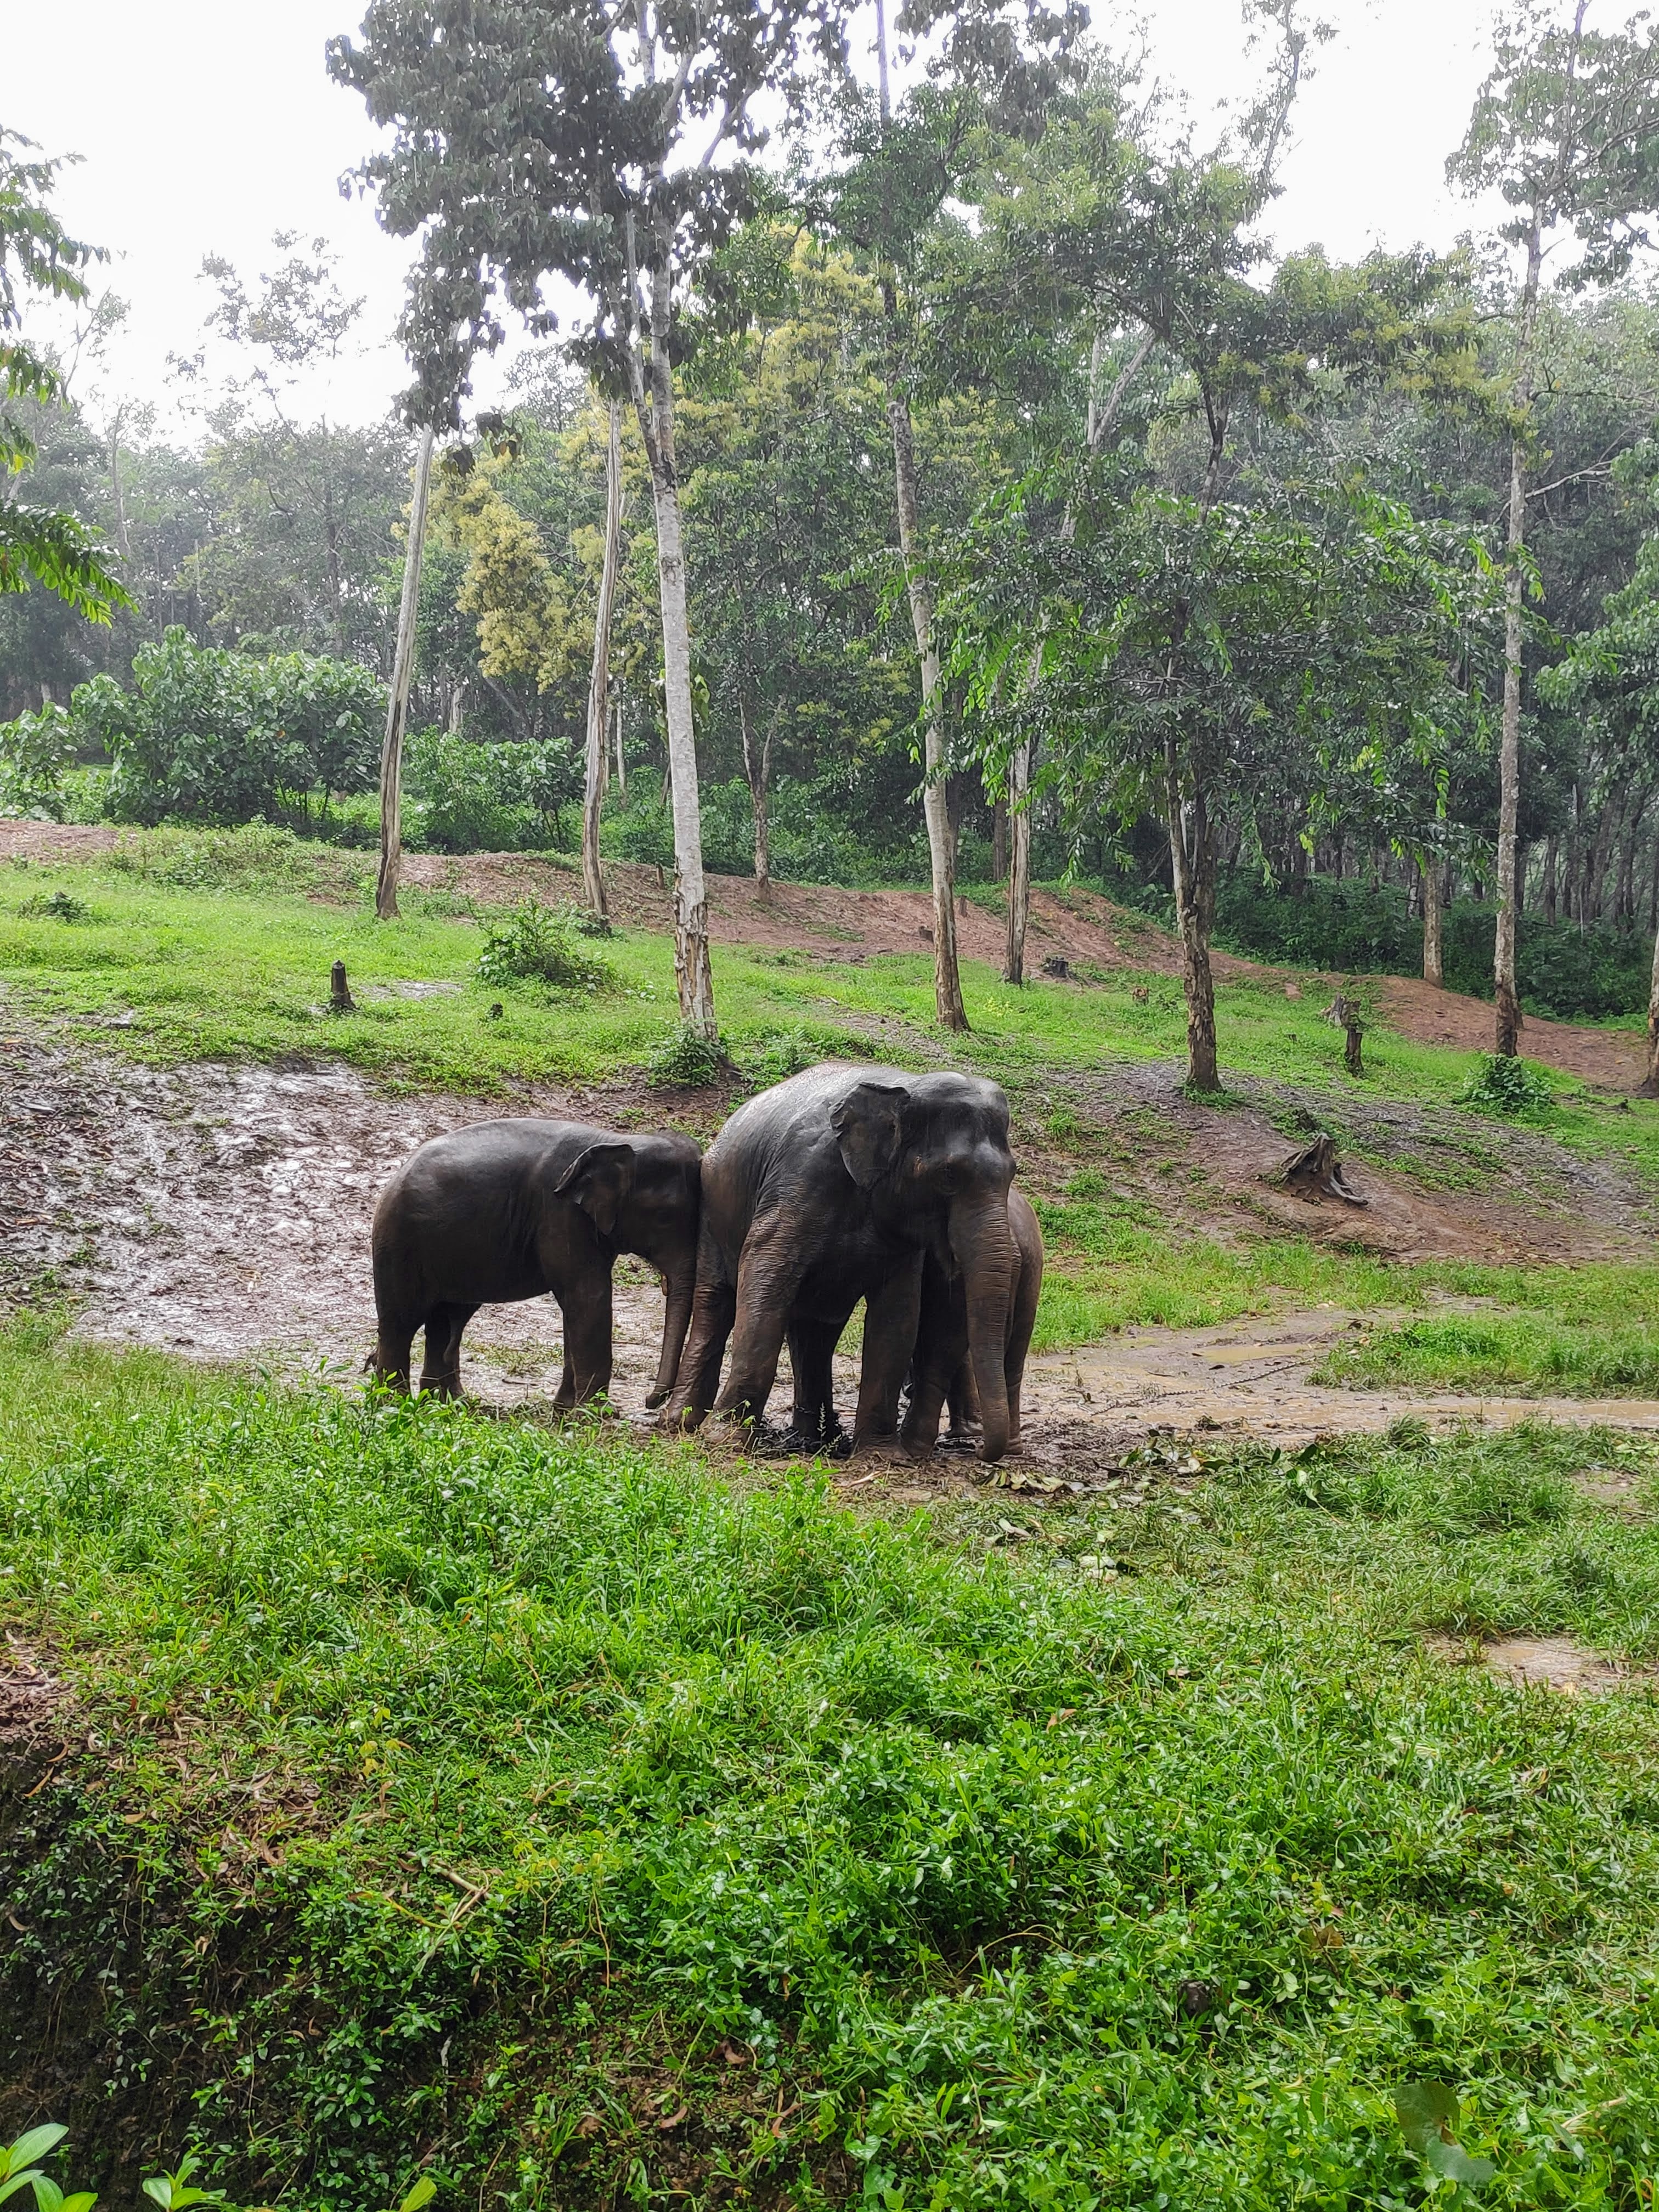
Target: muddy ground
{"x":223,"y":1212}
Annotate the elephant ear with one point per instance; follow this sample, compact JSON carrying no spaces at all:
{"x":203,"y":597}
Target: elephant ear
{"x":866,"y":1126}
{"x":599,"y":1181}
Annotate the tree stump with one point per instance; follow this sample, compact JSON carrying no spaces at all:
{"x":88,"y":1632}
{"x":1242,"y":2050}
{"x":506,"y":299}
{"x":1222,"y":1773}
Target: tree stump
{"x":1315,"y":1171}
{"x":1344,"y":1014}
{"x":340,"y":1000}
{"x":1058,"y":966}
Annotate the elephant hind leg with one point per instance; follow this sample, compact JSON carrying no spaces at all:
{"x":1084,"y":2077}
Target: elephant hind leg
{"x":393,"y":1337}
{"x":440,"y":1370}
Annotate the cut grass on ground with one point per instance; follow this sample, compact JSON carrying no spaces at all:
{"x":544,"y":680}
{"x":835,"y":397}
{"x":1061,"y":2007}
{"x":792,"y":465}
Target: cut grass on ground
{"x":465,"y":1792}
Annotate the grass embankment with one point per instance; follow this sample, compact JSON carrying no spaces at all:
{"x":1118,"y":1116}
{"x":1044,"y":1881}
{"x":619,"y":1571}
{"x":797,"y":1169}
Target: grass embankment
{"x":219,"y":946}
{"x":458,"y":1790}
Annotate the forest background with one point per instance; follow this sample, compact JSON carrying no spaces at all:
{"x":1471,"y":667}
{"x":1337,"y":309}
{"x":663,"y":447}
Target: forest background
{"x":1263,"y":501}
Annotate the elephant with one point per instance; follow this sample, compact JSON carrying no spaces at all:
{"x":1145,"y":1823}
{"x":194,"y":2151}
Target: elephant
{"x":836,"y":1185}
{"x":940,"y":1371}
{"x":501,"y":1211}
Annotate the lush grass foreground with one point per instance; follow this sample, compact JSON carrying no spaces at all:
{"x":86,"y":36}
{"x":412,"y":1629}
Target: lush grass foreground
{"x":458,"y":1790}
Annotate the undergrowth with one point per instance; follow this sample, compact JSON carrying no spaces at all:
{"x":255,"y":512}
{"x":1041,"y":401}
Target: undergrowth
{"x":541,"y":1806}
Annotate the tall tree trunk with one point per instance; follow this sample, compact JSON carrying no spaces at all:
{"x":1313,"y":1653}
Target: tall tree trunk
{"x":1434,"y":966}
{"x":1552,"y":850}
{"x":652,"y":384}
{"x":1192,"y":859}
{"x":622,"y":757}
{"x":598,"y":682}
{"x":396,"y":711}
{"x":758,"y":767}
{"x":1508,"y":1010}
{"x":1020,"y":862}
{"x":1000,"y":838}
{"x":1650,"y":1082}
{"x":123,"y":540}
{"x":951,"y":1012}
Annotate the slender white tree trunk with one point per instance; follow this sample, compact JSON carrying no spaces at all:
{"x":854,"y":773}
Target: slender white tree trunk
{"x":1433,"y":954}
{"x":941,"y":840}
{"x":598,"y":687}
{"x":651,"y":384}
{"x":1508,"y":1039}
{"x":1651,"y":1084}
{"x":758,"y":767}
{"x":396,"y":711}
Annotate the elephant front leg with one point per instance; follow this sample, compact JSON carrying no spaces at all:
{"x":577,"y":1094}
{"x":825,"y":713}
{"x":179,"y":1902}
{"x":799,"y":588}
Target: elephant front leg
{"x":587,"y":1346}
{"x":770,"y":1275}
{"x":891,"y":1315}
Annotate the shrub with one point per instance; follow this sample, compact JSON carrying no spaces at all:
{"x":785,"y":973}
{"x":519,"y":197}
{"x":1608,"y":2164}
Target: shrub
{"x":58,"y":906}
{"x":474,"y":797}
{"x":539,"y":943}
{"x":686,"y":1060}
{"x":1507,"y":1086}
{"x":207,"y":735}
{"x":36,"y":752}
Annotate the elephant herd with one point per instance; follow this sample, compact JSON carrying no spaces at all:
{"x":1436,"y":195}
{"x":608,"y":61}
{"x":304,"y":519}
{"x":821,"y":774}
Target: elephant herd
{"x":843,"y":1184}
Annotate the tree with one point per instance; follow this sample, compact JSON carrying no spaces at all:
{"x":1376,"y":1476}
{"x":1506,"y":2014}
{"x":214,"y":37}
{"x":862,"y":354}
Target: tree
{"x":598,"y":688}
{"x":40,"y":544}
{"x":1566,"y":127}
{"x":1612,"y":674}
{"x":614,"y":149}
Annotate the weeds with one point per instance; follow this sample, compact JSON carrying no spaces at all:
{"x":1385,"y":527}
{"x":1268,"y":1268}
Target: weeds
{"x":537,"y":943}
{"x":686,"y":1060}
{"x":56,"y":906}
{"x":1508,"y":1086}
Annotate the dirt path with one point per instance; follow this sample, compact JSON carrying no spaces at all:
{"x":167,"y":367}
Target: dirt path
{"x":1250,"y":1379}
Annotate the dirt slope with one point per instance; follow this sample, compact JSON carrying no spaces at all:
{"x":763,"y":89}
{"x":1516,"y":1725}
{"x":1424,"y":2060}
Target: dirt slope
{"x":1079,"y":926}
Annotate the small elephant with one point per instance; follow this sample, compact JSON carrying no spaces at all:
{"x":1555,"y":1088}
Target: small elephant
{"x":940,"y":1370}
{"x":834,"y":1186}
{"x":501,"y":1211}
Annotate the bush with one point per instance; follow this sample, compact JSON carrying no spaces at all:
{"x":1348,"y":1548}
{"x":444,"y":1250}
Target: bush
{"x":473,"y":798}
{"x":36,"y":753}
{"x":686,"y":1060}
{"x":58,"y":906}
{"x":1507,"y":1086}
{"x":217,"y":736}
{"x":539,"y":944}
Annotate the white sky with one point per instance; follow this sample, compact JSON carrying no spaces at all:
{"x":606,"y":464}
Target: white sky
{"x":207,"y":125}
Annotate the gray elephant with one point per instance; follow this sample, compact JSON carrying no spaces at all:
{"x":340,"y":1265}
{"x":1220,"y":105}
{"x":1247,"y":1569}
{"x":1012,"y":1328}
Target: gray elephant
{"x":941,"y":1372}
{"x":501,"y":1211}
{"x":835,"y":1186}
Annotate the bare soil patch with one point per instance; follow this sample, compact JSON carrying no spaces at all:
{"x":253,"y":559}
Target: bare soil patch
{"x":1550,"y":1662}
{"x":1613,"y":1060}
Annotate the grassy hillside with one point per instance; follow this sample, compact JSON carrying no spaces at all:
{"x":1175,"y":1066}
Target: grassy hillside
{"x":601,"y":1830}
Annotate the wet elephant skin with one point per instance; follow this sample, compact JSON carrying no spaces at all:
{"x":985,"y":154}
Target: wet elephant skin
{"x":502,"y":1211}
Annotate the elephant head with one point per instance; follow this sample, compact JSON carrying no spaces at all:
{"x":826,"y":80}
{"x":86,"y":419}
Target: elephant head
{"x":642,"y":1194}
{"x":931,"y":1153}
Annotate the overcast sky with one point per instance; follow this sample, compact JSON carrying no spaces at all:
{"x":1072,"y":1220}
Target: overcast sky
{"x":205,"y":125}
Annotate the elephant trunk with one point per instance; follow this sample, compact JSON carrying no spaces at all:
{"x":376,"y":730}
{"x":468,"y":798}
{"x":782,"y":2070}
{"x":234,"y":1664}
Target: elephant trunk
{"x":681,"y":1281}
{"x":983,"y":1249}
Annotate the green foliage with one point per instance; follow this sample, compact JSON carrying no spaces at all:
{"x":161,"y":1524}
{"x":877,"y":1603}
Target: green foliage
{"x":35,"y":753}
{"x":57,"y":906}
{"x":208,"y":735}
{"x":536,"y":943}
{"x":1429,"y":2119}
{"x":686,"y":1060}
{"x":1508,"y":1086}
{"x":612,"y":1760}
{"x":1359,"y":927}
{"x":475,"y":798}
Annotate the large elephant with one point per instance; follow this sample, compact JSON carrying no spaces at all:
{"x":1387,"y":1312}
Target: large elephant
{"x":835,"y":1186}
{"x":501,"y":1211}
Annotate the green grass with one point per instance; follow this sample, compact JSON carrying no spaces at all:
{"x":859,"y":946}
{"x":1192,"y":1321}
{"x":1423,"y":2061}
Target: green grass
{"x":1585,"y":1332}
{"x":456,"y":1788}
